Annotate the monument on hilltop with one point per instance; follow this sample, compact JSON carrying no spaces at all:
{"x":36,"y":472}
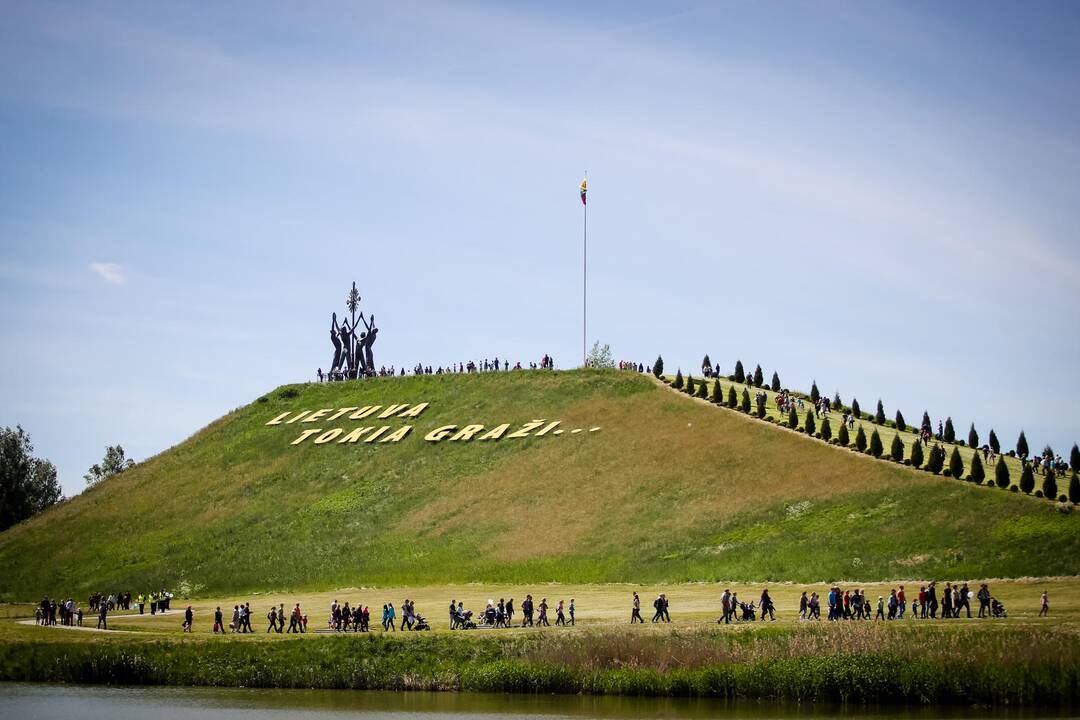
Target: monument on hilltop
{"x":353,"y":357}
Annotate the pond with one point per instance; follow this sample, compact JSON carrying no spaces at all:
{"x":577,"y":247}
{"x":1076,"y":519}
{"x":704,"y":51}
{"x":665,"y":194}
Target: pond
{"x":27,"y":701}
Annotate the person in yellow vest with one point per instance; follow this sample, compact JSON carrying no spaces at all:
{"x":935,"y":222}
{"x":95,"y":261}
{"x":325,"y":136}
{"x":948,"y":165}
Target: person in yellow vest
{"x":153,"y":603}
{"x":141,"y":603}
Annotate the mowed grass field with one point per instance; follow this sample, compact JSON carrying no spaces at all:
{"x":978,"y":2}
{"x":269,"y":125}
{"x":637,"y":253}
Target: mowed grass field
{"x":667,"y":490}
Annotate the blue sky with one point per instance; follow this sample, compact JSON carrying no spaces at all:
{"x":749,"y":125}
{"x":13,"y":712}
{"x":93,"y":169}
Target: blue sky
{"x":881,"y":197}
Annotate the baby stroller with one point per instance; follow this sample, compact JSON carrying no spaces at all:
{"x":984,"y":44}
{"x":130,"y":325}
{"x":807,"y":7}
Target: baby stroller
{"x":997,"y":609}
{"x":421,"y":623}
{"x":465,"y":621}
{"x":749,"y":611}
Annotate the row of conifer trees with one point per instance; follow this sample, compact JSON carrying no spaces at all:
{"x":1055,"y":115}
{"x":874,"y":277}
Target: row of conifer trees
{"x":933,"y":460}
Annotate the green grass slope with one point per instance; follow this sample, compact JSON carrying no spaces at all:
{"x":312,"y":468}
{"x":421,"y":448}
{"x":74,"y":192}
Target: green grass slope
{"x":668,"y":489}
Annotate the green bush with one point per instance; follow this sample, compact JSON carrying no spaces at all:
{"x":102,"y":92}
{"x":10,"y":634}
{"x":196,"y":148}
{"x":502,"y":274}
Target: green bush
{"x":1027,"y":480}
{"x":775,"y":382}
{"x":1074,"y":489}
{"x":900,"y":424}
{"x":1049,"y":484}
{"x":689,"y":388}
{"x":860,"y":440}
{"x":809,"y":424}
{"x":745,"y":401}
{"x":973,"y":437}
{"x":876,"y":447}
{"x":288,"y":393}
{"x":896,"y":452}
{"x":1022,"y":445}
{"x":916,"y":454}
{"x":759,"y":377}
{"x":740,"y":374}
{"x":732,"y":399}
{"x":947,"y":472}
{"x":936,"y":461}
{"x":977,"y":474}
{"x":855,"y":408}
{"x":879,"y":414}
{"x":815,"y":396}
{"x":1001,"y":473}
{"x":956,"y":464}
{"x":949,"y":434}
{"x":717,"y":392}
{"x":842,"y":436}
{"x":826,"y":429}
{"x":658,"y":367}
{"x":994,"y":444}
{"x":793,"y":419}
{"x":703,"y":390}
{"x":678,"y":384}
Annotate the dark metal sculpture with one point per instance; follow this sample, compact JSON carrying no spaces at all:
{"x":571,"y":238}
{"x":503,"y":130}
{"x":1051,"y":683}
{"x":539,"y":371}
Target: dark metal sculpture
{"x":353,"y":357}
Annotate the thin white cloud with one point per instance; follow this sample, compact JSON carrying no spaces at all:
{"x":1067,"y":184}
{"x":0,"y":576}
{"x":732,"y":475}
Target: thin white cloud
{"x":109,"y":272}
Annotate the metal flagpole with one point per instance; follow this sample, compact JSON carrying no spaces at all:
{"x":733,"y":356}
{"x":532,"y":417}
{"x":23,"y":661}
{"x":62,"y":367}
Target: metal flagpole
{"x":584,"y":277}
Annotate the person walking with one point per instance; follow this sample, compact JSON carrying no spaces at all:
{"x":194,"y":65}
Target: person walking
{"x":635,"y":613}
{"x":218,"y":620}
{"x":271,"y":618}
{"x":541,"y":618}
{"x":188,"y":619}
{"x":453,"y":614}
{"x":294,"y":620}
{"x":560,"y":616}
{"x":880,"y":608}
{"x":766,"y":605}
{"x":984,"y":600}
{"x":570,"y":610}
{"x":1045,"y":608}
{"x":102,"y":623}
{"x":509,"y":611}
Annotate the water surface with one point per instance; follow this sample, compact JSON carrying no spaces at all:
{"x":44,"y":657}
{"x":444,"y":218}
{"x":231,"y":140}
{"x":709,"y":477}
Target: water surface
{"x":27,"y":701}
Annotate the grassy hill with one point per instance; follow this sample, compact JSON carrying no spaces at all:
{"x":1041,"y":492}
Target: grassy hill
{"x":668,"y":489}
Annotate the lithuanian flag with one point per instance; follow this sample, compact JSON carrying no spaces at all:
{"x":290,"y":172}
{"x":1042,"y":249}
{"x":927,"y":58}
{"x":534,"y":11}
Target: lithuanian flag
{"x":583,"y":189}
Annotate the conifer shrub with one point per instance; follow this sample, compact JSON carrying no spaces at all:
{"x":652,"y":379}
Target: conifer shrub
{"x":703,"y":390}
{"x":855,"y":409}
{"x":658,"y":367}
{"x":993,"y":442}
{"x":1027,"y":480}
{"x":678,"y":384}
{"x":973,"y":437}
{"x":793,"y":419}
{"x":689,"y":388}
{"x":740,"y":374}
{"x":977,"y":474}
{"x":732,"y":399}
{"x":1022,"y":445}
{"x":758,"y":376}
{"x":842,"y":436}
{"x":1074,"y":489}
{"x":936,"y":460}
{"x":745,"y":401}
{"x":809,"y":424}
{"x":896,"y":451}
{"x":876,"y":447}
{"x":1001,"y":473}
{"x":1049,"y":485}
{"x":761,"y":402}
{"x":916,"y":455}
{"x":717,"y":392}
{"x":956,"y":464}
{"x":775,"y":382}
{"x":900,"y":424}
{"x":826,"y":430}
{"x":948,"y":434}
{"x":860,"y":440}
{"x":815,"y":396}
{"x":837,"y":405}
{"x":879,"y":414}
{"x":1074,"y":457}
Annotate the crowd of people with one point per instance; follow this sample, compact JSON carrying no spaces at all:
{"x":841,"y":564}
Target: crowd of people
{"x":930,"y":602}
{"x":472,"y":366}
{"x":68,"y":612}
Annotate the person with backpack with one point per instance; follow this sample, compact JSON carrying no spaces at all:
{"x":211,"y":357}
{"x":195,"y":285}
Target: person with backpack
{"x":271,"y":619}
